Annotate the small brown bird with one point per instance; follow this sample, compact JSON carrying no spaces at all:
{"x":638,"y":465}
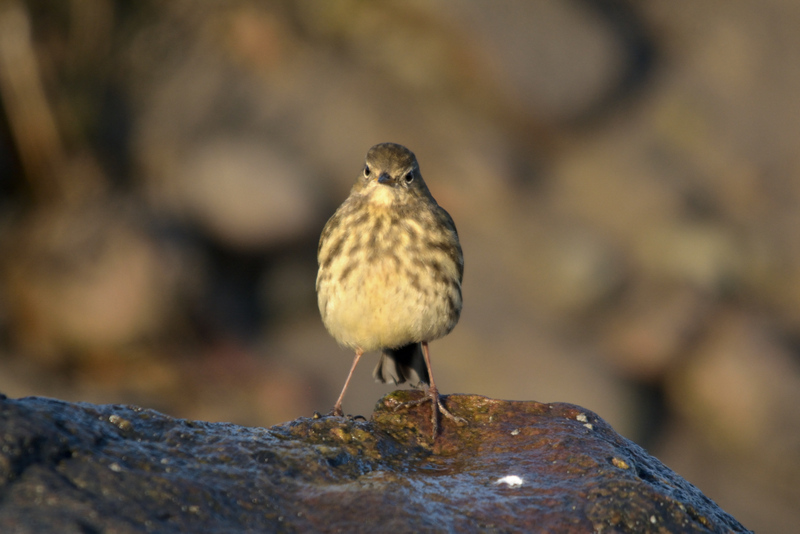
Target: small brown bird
{"x":390,"y":270}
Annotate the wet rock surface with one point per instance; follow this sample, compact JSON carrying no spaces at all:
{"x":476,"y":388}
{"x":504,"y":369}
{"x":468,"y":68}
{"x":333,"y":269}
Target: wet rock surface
{"x":517,"y":466}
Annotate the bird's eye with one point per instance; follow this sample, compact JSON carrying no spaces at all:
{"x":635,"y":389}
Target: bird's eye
{"x":366,"y":170}
{"x":409,"y":177}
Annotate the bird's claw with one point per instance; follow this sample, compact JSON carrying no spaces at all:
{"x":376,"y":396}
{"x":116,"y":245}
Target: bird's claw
{"x":436,"y":408}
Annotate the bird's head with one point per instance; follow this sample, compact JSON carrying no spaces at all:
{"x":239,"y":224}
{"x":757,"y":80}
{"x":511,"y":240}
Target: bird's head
{"x":391,"y":175}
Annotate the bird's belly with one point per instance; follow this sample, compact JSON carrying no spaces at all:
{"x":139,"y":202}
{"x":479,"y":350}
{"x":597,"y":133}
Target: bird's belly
{"x":379,"y":305}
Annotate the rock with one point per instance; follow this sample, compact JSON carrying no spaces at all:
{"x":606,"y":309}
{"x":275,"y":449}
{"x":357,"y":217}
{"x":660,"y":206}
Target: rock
{"x":652,"y":328}
{"x":570,"y":63}
{"x":516,"y":466}
{"x":85,"y":279}
{"x":244,"y":192}
{"x":740,"y":389}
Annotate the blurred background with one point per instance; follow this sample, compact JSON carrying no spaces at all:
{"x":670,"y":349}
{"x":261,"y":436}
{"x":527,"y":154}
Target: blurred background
{"x":625,"y":177}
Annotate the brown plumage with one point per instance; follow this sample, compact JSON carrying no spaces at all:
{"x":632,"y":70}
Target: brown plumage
{"x":390,"y":270}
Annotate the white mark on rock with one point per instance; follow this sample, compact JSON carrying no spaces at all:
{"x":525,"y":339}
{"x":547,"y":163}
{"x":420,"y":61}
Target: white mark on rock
{"x":512,"y":481}
{"x":581,"y":417}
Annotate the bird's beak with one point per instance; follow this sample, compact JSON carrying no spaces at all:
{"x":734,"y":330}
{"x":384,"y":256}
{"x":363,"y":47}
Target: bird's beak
{"x":384,"y":178}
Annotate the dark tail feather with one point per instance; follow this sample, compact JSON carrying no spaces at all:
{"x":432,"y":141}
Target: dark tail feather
{"x":404,"y":364}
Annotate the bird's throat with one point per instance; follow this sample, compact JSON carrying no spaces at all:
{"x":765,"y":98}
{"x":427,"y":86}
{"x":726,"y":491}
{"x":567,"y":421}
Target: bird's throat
{"x":382,"y":195}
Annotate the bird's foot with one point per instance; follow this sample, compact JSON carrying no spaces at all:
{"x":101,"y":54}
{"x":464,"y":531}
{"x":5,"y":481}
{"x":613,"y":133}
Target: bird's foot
{"x":437,"y":408}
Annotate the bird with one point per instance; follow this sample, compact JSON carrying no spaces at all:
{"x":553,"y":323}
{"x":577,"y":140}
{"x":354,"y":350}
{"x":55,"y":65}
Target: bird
{"x":390,"y":272}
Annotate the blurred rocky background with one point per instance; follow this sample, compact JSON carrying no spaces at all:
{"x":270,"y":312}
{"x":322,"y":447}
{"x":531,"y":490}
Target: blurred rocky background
{"x":625,"y":177}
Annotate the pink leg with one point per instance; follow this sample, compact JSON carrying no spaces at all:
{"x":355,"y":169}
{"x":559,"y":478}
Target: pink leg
{"x":337,"y":408}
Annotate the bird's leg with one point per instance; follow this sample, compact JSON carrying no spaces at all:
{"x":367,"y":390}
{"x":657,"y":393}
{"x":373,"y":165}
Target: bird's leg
{"x":433,"y":396}
{"x":337,"y":408}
